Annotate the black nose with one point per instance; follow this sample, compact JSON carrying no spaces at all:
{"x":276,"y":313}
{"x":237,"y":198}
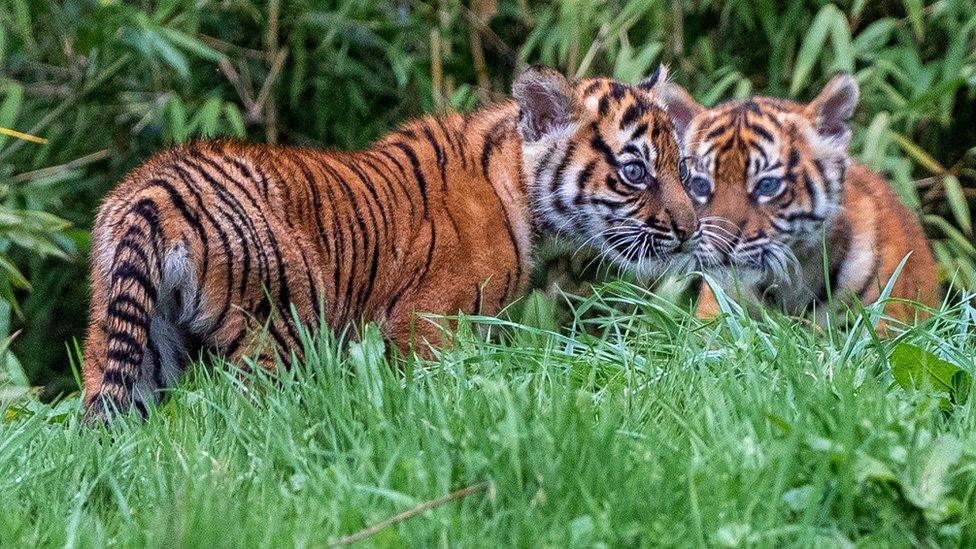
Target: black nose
{"x":684,"y":223}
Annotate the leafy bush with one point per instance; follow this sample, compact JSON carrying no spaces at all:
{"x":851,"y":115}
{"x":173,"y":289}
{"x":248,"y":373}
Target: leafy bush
{"x":108,"y":82}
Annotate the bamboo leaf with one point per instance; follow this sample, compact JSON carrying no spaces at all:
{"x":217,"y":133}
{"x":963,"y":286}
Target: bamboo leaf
{"x":873,"y":37}
{"x":811,"y":47}
{"x":840,"y":36}
{"x":176,"y":118}
{"x":13,"y":273}
{"x":190,"y":44}
{"x":919,"y":154}
{"x":875,"y":141}
{"x":958,"y":203}
{"x":915,"y":11}
{"x":10,"y":110}
{"x":964,"y":243}
{"x":207,"y":118}
{"x":233,"y":116}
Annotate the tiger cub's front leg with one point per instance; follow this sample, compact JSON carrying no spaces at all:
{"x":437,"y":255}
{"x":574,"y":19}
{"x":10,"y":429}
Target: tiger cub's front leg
{"x":707,"y":307}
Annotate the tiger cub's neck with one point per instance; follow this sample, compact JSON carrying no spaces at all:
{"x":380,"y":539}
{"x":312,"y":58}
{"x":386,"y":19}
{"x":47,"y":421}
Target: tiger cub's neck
{"x":861,"y":247}
{"x":820,"y":256}
{"x":456,"y":217}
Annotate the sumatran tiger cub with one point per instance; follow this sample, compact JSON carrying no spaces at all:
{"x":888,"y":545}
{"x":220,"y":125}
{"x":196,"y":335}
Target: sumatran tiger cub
{"x":774,"y":187}
{"x":204,"y":244}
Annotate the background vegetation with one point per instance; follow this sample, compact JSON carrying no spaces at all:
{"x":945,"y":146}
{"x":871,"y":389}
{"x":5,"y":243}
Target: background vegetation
{"x":107,"y":82}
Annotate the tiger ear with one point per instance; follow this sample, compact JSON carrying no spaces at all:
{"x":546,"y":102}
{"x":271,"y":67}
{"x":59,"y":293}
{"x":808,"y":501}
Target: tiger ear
{"x":545,"y":101}
{"x":659,"y":76}
{"x":834,"y":107}
{"x":679,"y":103}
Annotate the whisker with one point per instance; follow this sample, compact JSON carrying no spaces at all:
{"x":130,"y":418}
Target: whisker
{"x":609,"y":231}
{"x":720,"y":219}
{"x":717,"y":241}
{"x":732,"y":236}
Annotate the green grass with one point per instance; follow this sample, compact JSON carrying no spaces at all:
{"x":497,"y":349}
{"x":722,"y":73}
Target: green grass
{"x":642,"y":427}
{"x":110,"y":82}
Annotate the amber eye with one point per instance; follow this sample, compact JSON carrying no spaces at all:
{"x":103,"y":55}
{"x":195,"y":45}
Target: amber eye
{"x":634,"y":172}
{"x":700,"y":187}
{"x":683,"y":170}
{"x":768,"y":186}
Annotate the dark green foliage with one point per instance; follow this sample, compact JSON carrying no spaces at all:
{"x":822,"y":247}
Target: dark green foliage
{"x":130,"y":78}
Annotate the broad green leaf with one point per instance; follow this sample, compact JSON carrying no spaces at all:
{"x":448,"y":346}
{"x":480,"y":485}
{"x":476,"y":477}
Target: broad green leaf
{"x":962,"y":386}
{"x":928,"y":488}
{"x":914,"y":367}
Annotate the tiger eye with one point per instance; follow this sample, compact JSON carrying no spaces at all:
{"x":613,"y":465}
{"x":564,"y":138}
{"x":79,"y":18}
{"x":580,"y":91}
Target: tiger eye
{"x":699,"y":186}
{"x":634,"y":172}
{"x":768,"y":186}
{"x":683,"y":170}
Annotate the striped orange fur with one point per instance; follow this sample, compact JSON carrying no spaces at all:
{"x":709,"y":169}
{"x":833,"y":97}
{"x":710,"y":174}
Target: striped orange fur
{"x":204,"y":244}
{"x":774,"y":186}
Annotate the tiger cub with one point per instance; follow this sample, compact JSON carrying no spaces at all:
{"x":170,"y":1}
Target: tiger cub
{"x":775,"y":187}
{"x":204,"y":244}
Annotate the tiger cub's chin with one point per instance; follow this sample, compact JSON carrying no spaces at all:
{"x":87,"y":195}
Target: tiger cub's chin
{"x":782,"y":204}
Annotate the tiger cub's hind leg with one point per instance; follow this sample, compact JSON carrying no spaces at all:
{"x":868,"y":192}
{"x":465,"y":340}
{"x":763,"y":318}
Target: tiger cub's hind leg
{"x":173,"y":331}
{"x":141,"y":334}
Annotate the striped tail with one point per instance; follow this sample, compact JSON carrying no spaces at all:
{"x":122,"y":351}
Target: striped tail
{"x":134,"y":272}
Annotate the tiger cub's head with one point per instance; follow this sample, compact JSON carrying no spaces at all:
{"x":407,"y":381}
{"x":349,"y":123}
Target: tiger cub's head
{"x":602,"y":162}
{"x":766,"y":175}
